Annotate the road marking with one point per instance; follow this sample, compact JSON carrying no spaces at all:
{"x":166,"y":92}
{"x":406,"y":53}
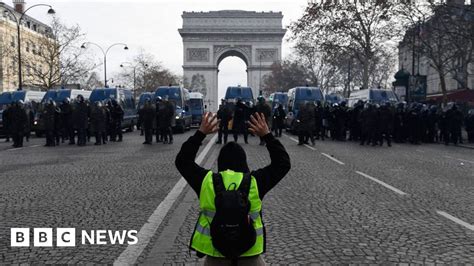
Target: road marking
{"x":467,"y":161}
{"x":456,"y":220}
{"x":332,"y":158}
{"x":130,"y":255}
{"x":297,"y":141}
{"x":396,"y":190}
{"x":34,"y":146}
{"x":14,"y":149}
{"x":462,"y":160}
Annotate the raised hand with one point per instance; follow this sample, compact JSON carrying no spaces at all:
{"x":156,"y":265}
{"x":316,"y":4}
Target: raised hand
{"x":209,"y":123}
{"x":258,"y":125}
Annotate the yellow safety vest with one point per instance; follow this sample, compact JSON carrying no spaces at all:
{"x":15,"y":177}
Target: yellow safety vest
{"x":201,"y":240}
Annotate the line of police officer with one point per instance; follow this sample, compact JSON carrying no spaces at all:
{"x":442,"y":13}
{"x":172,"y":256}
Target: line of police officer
{"x":373,"y":124}
{"x":66,"y":121}
{"x":236,"y":118}
{"x":157,"y":118}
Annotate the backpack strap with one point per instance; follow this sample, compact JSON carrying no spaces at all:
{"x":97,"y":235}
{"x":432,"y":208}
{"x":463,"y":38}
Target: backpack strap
{"x":219,"y":187}
{"x":245,"y":184}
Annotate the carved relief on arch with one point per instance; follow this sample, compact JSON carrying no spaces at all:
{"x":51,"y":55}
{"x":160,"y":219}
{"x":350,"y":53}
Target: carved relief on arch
{"x":197,"y":55}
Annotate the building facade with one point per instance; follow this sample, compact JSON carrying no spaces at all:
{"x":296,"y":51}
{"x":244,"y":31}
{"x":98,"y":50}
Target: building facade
{"x":33,"y":34}
{"x":415,"y":62}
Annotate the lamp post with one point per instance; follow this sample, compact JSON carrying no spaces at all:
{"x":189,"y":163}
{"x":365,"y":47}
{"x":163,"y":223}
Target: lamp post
{"x":18,"y":27}
{"x":134,"y":67}
{"x":105,"y":52}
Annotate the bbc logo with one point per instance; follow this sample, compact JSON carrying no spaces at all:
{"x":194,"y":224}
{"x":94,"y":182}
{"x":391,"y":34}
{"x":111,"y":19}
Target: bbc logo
{"x":43,"y":237}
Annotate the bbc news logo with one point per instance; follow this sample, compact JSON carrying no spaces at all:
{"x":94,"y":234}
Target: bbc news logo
{"x":66,"y":237}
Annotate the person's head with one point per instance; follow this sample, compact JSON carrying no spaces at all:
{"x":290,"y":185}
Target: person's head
{"x":80,"y":98}
{"x":158,"y":99}
{"x":232,"y":157}
{"x":66,"y":100}
{"x":261,"y":99}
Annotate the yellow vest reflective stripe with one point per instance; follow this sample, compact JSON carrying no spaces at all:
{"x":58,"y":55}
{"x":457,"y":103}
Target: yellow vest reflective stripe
{"x":201,"y":239}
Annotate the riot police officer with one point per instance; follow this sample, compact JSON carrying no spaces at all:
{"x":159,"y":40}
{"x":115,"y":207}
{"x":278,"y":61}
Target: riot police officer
{"x":116,"y":115}
{"x":148,"y":117}
{"x":224,"y":114}
{"x":98,"y":123}
{"x":263,"y":108}
{"x":18,"y":122}
{"x":239,"y":126}
{"x":49,"y":117}
{"x":81,"y":118}
{"x":67,"y":120}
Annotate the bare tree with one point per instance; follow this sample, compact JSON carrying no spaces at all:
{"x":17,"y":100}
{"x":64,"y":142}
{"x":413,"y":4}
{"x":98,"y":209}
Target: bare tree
{"x":352,"y":29}
{"x":58,"y":59}
{"x":284,"y":76}
{"x":443,"y":36}
{"x":149,"y":74}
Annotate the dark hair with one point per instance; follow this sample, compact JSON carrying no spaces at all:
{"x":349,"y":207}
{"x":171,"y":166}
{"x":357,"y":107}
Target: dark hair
{"x":232,"y":157}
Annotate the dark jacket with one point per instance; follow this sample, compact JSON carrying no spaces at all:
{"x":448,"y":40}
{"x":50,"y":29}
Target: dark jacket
{"x":98,"y":119}
{"x":147,"y":116}
{"x":81,"y":115}
{"x":50,"y":117}
{"x":19,"y":119}
{"x":266,"y":177}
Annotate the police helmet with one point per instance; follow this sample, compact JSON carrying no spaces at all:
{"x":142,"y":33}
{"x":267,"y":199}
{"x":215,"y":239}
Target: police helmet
{"x":80,"y":98}
{"x":66,"y":100}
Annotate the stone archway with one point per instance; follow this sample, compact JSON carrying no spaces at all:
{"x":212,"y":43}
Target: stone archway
{"x":210,"y":37}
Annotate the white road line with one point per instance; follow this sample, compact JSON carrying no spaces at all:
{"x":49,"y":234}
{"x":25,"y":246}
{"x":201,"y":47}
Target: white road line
{"x":297,"y":141}
{"x":396,"y":190}
{"x":332,"y":158}
{"x":130,"y":255}
{"x":309,"y":147}
{"x":467,"y":161}
{"x":14,"y":149}
{"x":456,"y":220}
{"x":34,"y":146}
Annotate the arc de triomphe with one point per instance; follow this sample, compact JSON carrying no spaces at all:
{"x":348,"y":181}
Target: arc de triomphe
{"x":210,"y":37}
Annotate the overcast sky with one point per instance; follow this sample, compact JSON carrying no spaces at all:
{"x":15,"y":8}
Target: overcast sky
{"x":153,"y":26}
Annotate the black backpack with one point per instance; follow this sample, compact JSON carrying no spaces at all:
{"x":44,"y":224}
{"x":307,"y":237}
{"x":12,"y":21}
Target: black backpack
{"x":232,"y":230}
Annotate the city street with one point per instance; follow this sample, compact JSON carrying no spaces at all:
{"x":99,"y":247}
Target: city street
{"x":340,"y":203}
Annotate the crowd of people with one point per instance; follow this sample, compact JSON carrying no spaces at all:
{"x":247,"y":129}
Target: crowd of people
{"x":157,"y":118}
{"x":372,"y":124}
{"x":369,"y":124}
{"x":67,"y":121}
{"x":236,"y":118}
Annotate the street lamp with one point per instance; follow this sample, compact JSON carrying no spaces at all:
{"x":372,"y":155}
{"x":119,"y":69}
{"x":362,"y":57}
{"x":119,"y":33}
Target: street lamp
{"x":18,"y":24}
{"x":134,"y":67}
{"x":83,"y":46}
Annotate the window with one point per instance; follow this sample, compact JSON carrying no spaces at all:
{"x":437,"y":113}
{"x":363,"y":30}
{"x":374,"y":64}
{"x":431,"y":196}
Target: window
{"x":28,"y":24}
{"x":34,"y":48}
{"x":34,"y":27}
{"x":13,"y":41}
{"x":28,"y":46}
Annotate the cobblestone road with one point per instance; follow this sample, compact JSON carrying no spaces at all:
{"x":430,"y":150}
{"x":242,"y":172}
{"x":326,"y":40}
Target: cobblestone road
{"x":340,"y":203}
